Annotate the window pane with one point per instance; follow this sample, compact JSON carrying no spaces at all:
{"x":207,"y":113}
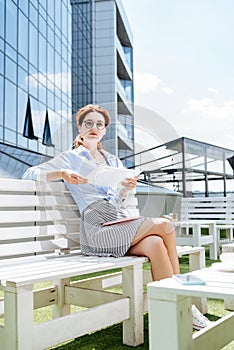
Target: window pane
{"x":42,"y":54}
{"x":1,"y":100}
{"x":2,"y":18}
{"x":1,"y":63}
{"x":22,"y":104}
{"x":11,"y":23}
{"x":23,"y":35}
{"x":33,"y":52}
{"x":10,"y":70}
{"x":50,"y":59}
{"x":23,"y":5}
{"x":33,"y":14}
{"x":22,"y":78}
{"x":10,"y":105}
{"x":10,"y":136}
{"x":38,"y":116}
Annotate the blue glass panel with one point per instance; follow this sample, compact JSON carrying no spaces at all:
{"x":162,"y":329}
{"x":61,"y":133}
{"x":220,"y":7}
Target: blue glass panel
{"x":23,"y":35}
{"x":10,"y":136}
{"x":42,"y":26}
{"x":11,"y":52}
{"x":22,"y":78}
{"x":42,"y":54}
{"x":1,"y":63}
{"x":50,"y":35}
{"x":38,"y":116}
{"x":11,"y":23}
{"x":33,"y":15}
{"x":50,"y":59}
{"x":10,"y":105}
{"x":50,"y":5}
{"x":23,"y":5}
{"x":1,"y":100}
{"x":33,"y":51}
{"x":10,"y":70}
{"x":22,"y":62}
{"x":2,"y":18}
{"x":22,"y":103}
{"x":58,"y":14}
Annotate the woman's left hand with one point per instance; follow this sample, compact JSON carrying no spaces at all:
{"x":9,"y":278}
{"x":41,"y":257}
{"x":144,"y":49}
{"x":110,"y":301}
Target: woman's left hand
{"x":129,"y":183}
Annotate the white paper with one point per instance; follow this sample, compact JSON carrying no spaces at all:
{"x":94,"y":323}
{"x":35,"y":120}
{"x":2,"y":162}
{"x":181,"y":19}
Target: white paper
{"x":110,"y":176}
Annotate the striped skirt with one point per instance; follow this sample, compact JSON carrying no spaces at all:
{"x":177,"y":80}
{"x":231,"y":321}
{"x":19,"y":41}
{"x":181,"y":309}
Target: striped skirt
{"x":113,"y":240}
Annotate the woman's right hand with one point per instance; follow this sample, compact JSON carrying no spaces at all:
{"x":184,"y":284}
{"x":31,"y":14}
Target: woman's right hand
{"x":73,"y":178}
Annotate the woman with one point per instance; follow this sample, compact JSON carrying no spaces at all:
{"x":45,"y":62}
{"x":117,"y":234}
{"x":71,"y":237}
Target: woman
{"x":154,"y":238}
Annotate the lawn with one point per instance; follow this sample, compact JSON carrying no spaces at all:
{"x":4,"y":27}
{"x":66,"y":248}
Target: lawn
{"x":111,"y":337}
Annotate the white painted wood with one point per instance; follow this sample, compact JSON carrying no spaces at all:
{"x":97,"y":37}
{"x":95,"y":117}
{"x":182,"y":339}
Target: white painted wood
{"x":88,"y":298}
{"x":216,"y":337}
{"x":78,"y":324}
{"x":196,"y":238}
{"x":18,"y":318}
{"x":219,"y":209}
{"x":61,"y":308}
{"x":45,"y":297}
{"x":169,"y":297}
{"x":133,"y":328}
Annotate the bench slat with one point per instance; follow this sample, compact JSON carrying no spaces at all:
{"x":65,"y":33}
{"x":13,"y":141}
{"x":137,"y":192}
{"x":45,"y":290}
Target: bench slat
{"x":35,"y":247}
{"x":72,"y":266}
{"x":35,"y":201}
{"x":29,"y":232}
{"x":29,"y":216}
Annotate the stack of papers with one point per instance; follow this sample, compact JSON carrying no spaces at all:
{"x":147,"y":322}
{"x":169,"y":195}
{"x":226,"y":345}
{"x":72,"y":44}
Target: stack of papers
{"x":110,"y":176}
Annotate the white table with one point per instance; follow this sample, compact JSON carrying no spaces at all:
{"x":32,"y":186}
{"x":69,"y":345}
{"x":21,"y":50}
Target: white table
{"x":170,"y":319}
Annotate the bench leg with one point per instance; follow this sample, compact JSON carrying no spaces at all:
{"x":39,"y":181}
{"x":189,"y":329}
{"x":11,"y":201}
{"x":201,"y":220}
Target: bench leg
{"x":170,"y":322}
{"x":18,"y":318}
{"x":133,"y":328}
{"x":61,"y":309}
{"x":197,"y":261}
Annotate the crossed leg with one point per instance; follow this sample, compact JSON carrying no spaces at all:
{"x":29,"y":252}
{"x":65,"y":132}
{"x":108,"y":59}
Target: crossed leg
{"x":156,"y":239}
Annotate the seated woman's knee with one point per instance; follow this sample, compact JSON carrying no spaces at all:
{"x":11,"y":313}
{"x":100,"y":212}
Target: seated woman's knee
{"x":154,"y":244}
{"x":166,"y":226}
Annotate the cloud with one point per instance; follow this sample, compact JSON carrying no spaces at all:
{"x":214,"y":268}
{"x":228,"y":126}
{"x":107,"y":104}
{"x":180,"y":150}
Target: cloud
{"x":146,"y":83}
{"x":61,"y":80}
{"x":208,"y":109}
{"x":213,"y":90}
{"x":168,"y":91}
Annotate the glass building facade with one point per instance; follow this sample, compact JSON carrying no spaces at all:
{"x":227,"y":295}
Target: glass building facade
{"x":102,"y":67}
{"x":35,"y":82}
{"x":55,"y":57}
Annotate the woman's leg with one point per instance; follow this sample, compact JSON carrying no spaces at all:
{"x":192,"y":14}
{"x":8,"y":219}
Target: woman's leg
{"x":163,"y":228}
{"x":154,"y":248}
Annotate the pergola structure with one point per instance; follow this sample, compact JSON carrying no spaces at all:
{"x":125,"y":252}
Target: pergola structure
{"x":188,"y":166}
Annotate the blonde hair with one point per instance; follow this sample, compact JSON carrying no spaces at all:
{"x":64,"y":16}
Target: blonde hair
{"x":81,"y":114}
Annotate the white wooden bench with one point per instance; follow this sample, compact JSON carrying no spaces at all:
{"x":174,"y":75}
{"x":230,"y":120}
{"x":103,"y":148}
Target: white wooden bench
{"x":39,"y":242}
{"x":207,"y":211}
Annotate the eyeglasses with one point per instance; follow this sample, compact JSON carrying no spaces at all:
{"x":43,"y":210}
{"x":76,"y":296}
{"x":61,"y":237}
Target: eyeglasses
{"x":89,"y":124}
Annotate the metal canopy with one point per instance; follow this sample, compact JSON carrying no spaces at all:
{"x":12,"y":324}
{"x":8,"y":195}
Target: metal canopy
{"x":188,"y":166}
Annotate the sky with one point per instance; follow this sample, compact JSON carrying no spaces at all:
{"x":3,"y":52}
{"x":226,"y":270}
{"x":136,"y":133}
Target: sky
{"x":184,"y":65}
